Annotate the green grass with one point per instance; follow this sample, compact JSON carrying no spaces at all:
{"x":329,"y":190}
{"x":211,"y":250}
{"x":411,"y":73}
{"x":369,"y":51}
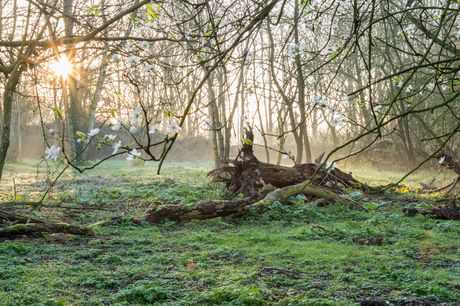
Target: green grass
{"x":275,"y":258}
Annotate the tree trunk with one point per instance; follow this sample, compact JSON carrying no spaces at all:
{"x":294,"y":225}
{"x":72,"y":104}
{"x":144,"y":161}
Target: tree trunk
{"x":8,"y":96}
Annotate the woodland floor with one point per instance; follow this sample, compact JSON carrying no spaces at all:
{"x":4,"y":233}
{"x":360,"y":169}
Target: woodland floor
{"x":276,"y":258}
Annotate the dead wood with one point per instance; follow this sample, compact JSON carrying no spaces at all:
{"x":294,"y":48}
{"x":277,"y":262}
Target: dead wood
{"x":449,"y":211}
{"x":25,"y":229}
{"x":13,"y":217}
{"x":257,"y":182}
{"x":201,"y":210}
{"x":305,"y":188}
{"x":448,"y":162}
{"x":248,"y":174}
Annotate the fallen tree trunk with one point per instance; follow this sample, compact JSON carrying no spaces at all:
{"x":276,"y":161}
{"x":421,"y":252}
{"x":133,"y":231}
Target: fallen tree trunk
{"x":200,"y":210}
{"x":23,"y":229}
{"x":306,"y":189}
{"x":212,"y":209}
{"x":13,"y":217}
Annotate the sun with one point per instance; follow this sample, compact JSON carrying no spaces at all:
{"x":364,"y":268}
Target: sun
{"x":62,"y":67}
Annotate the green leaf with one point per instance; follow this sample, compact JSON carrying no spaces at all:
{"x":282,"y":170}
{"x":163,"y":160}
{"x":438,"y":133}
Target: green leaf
{"x":96,"y":13}
{"x":58,"y":112}
{"x":88,"y":10}
{"x":133,"y":20}
{"x":158,"y":7}
{"x":247,"y":141}
{"x":112,"y":111}
{"x":150,"y":8}
{"x":81,"y":134}
{"x":369,"y":205}
{"x":167,"y":113}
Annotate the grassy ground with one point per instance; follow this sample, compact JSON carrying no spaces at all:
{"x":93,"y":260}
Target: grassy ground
{"x":293,"y":254}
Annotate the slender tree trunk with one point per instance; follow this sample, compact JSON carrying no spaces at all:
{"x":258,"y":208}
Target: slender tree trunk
{"x":74,"y":111}
{"x":8,"y":96}
{"x":301,"y":91}
{"x":223,"y":118}
{"x":18,"y":126}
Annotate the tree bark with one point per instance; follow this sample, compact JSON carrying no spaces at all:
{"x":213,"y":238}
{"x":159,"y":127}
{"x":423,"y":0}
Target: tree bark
{"x":201,"y":210}
{"x":8,"y":96}
{"x":24,"y":229}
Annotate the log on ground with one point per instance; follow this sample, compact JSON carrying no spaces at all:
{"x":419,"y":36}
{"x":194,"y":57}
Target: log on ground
{"x":24,"y":229}
{"x":200,"y":210}
{"x":257,"y":202}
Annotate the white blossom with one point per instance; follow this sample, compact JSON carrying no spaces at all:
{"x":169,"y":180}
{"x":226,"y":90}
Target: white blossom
{"x":115,"y":58}
{"x":441,"y":160}
{"x":93,"y":132}
{"x":135,"y":115}
{"x":173,"y":127}
{"x":132,"y":129}
{"x":153,"y":129}
{"x":408,"y":31}
{"x":129,"y":46}
{"x":117,"y":126}
{"x":133,"y":60}
{"x":145,"y":44}
{"x":316,"y":100}
{"x":430,"y":87}
{"x":52,"y":153}
{"x":409,"y":88}
{"x":151,"y":25}
{"x":133,"y":155}
{"x":334,"y":26}
{"x":330,"y":166}
{"x":116,"y":146}
{"x":51,"y":131}
{"x":331,"y":50}
{"x":287,"y":154}
{"x":377,"y":108}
